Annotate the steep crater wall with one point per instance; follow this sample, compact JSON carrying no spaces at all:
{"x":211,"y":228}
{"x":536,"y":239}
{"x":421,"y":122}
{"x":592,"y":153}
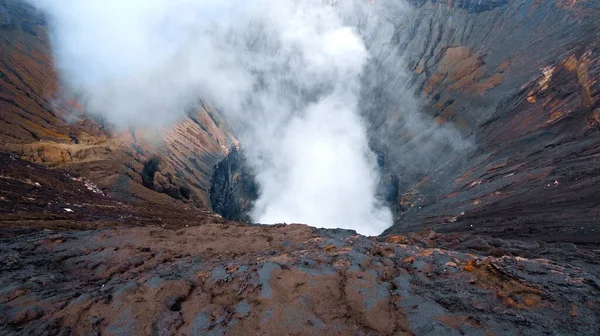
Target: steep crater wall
{"x":485,"y":117}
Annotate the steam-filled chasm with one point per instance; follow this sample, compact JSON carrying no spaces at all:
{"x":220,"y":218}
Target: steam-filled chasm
{"x":367,"y":115}
{"x":297,"y":80}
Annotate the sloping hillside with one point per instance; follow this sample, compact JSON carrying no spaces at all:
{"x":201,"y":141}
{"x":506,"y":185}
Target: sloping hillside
{"x":521,"y":78}
{"x":39,"y":122}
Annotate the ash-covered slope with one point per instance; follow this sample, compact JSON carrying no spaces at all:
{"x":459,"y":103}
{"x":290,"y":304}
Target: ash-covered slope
{"x":485,"y":116}
{"x":33,"y":197}
{"x":40,"y":123}
{"x":522,"y":80}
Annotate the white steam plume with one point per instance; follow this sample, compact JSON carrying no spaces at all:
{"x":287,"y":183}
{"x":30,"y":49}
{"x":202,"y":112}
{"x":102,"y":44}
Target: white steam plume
{"x":287,"y":71}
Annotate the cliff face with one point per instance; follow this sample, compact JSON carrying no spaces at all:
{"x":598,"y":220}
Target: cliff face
{"x":484,"y":115}
{"x":38,"y":122}
{"x":521,"y":80}
{"x":233,"y":188}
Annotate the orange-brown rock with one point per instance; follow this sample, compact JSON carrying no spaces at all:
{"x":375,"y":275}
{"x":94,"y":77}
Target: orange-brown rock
{"x":40,"y":123}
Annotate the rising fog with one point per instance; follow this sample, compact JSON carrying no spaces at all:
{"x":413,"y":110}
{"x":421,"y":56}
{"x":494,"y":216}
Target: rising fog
{"x":288,"y":74}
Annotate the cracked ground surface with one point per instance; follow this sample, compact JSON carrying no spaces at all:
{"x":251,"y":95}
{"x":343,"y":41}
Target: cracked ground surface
{"x":236,"y":279}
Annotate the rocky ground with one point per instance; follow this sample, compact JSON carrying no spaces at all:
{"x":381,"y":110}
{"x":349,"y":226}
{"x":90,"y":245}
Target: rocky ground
{"x":105,"y":267}
{"x":234,"y":279}
{"x":104,"y":233}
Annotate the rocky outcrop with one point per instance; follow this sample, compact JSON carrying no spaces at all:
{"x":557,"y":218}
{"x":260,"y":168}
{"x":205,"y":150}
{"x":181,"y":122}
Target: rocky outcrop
{"x":233,"y":187}
{"x":75,"y":261}
{"x":470,"y":5}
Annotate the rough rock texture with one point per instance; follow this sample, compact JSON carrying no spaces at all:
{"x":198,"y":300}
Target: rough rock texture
{"x":73,"y":261}
{"x":522,"y":80}
{"x":233,"y":188}
{"x":38,"y":122}
{"x":291,"y":280}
